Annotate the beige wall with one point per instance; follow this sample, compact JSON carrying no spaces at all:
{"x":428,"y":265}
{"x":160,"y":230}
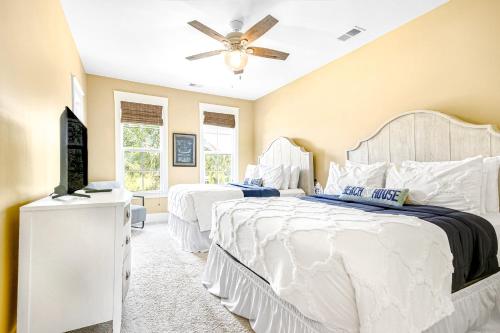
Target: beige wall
{"x":447,"y":60}
{"x":183,"y":117}
{"x":37,"y":59}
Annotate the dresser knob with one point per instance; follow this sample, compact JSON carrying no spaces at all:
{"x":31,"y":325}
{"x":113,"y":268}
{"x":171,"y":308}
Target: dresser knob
{"x":127,"y":240}
{"x":127,"y":275}
{"x":128,"y":214}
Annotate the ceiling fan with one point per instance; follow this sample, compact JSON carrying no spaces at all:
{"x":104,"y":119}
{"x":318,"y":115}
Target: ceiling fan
{"x":237,"y":45}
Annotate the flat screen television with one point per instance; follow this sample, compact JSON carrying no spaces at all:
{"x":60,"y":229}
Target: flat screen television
{"x":73,"y":155}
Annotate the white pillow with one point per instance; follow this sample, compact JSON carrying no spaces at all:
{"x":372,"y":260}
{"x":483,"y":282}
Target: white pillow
{"x":455,"y":184}
{"x":490,"y":199}
{"x":294,"y":177}
{"x":287,"y":172}
{"x":354,"y":174}
{"x":251,"y":172}
{"x":271,"y":176}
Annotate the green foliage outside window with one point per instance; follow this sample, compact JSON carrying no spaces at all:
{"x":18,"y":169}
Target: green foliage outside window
{"x":141,"y":136}
{"x":141,"y":157}
{"x":217,"y":168}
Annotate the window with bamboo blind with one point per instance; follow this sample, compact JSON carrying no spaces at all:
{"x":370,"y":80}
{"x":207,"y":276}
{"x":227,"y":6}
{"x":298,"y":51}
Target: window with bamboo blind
{"x":219,"y":140}
{"x":142,"y":146}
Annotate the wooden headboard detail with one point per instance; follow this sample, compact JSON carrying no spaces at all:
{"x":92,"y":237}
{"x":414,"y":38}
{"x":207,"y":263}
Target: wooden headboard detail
{"x":427,"y":136}
{"x":283,"y":151}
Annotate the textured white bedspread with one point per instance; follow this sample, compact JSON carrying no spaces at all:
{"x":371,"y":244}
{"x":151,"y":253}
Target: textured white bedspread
{"x":193,"y":202}
{"x":350,"y":270}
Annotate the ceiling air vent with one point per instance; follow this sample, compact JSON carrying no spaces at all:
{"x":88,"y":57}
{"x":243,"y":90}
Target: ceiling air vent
{"x":351,"y":33}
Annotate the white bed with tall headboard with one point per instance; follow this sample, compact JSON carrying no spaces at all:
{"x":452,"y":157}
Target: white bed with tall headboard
{"x":190,"y":205}
{"x":307,"y":266}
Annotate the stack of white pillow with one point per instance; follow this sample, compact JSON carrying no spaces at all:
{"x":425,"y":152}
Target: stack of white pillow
{"x":280,"y":177}
{"x":470,"y":185}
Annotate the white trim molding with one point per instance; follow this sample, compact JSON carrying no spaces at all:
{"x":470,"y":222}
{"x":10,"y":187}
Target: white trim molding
{"x":120,"y":96}
{"x":220,"y":109}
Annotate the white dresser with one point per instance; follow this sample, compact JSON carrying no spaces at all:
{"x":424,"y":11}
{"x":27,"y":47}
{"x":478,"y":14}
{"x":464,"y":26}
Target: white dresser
{"x":74,"y":262}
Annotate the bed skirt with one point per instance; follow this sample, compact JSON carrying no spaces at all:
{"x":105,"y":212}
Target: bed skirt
{"x":188,"y":234}
{"x":477,"y":307}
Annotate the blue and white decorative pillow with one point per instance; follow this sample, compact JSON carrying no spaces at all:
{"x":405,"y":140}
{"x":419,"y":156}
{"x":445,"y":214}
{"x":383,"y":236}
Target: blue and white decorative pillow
{"x":387,"y":196}
{"x":253,"y":181}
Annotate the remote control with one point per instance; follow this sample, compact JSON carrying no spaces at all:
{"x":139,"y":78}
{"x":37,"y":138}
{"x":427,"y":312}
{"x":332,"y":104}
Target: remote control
{"x":97,"y":191}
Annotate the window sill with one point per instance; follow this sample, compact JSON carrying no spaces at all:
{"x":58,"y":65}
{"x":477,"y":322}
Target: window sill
{"x":151,"y":195}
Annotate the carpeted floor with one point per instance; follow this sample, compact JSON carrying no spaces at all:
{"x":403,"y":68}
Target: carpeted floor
{"x":165,"y":293}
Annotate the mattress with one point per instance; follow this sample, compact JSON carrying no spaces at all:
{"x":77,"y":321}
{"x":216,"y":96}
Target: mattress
{"x":295,"y":245}
{"x":247,"y":295}
{"x":193,"y":202}
{"x":239,"y":241}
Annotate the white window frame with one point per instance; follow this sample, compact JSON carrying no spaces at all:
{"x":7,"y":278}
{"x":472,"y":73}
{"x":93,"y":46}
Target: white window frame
{"x":227,"y":110}
{"x":77,"y":98}
{"x":120,"y":96}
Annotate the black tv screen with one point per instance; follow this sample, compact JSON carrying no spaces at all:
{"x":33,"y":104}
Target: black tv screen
{"x":73,"y":154}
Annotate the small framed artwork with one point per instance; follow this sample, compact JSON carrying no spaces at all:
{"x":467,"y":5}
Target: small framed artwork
{"x":184,"y":150}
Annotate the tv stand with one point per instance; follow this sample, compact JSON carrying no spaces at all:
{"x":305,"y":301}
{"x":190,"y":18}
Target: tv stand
{"x":74,"y":262}
{"x":80,"y":195}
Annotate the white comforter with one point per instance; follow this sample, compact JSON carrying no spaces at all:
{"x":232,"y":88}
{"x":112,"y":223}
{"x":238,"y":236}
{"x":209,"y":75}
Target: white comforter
{"x":193,"y":202}
{"x":351,"y":270}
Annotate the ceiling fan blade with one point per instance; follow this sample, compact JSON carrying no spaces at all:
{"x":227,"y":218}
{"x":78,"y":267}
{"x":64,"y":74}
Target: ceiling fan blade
{"x":268,"y":53}
{"x":259,"y":28}
{"x":207,"y":31}
{"x":204,"y":55}
{"x":238,"y":72}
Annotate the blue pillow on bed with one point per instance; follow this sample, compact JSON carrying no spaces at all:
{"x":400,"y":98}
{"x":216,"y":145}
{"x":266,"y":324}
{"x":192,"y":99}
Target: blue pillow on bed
{"x":253,"y":181}
{"x":387,"y":196}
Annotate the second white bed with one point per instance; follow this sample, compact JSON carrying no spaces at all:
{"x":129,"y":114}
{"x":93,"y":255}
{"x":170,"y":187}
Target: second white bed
{"x":190,"y":212}
{"x":190,"y":205}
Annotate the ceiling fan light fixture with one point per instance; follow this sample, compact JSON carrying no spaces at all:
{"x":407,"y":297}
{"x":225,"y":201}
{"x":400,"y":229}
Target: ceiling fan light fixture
{"x":236,"y":60}
{"x":237,"y":45}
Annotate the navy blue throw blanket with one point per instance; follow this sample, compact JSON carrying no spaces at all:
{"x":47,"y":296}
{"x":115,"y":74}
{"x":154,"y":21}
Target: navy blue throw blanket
{"x":257,"y":191}
{"x":473,"y":241}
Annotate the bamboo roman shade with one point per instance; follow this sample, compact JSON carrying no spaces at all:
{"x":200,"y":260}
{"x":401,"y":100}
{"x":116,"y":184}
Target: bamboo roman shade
{"x":219,"y":119}
{"x":141,"y":113}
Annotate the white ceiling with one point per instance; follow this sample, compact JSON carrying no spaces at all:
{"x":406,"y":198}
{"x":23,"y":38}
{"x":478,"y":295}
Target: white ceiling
{"x":148,"y":40}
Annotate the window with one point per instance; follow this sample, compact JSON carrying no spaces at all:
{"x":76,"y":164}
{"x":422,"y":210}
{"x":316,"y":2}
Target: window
{"x":141,"y":157}
{"x":77,"y":98}
{"x":141,"y":153}
{"x":218,"y":151}
{"x":219,"y":159}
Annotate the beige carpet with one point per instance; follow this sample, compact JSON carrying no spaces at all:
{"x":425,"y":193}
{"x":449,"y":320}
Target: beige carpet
{"x":165,"y":294}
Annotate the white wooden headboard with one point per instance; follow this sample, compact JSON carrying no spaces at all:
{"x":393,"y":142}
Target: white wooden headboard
{"x":427,"y":136}
{"x":284,"y":151}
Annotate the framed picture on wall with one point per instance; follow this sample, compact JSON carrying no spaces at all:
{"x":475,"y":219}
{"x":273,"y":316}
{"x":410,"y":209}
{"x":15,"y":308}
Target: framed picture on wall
{"x":184,"y":150}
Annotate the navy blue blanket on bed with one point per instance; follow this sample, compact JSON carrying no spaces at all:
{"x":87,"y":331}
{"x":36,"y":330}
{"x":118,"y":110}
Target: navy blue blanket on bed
{"x":257,"y":191}
{"x":473,"y":241}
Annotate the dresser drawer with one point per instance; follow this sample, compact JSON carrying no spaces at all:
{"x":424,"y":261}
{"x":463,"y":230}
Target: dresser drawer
{"x":127,"y":214}
{"x":126,"y":239}
{"x":126,"y":275}
{"x":127,"y":249}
